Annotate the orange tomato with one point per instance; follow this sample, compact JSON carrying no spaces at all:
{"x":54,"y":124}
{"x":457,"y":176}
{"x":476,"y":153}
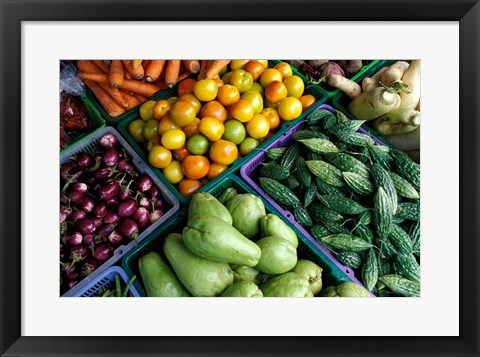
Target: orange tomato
{"x":205,"y":90}
{"x":215,"y":110}
{"x":269,"y":104}
{"x":189,"y":97}
{"x":152,"y":142}
{"x":275,"y":91}
{"x":290,"y":108}
{"x":223,"y":152}
{"x":166,"y":124}
{"x":272,"y":116}
{"x":188,"y":187}
{"x":227,"y":95}
{"x":242,"y":110}
{"x":270,"y":75}
{"x":255,"y":68}
{"x":307,"y":101}
{"x":195,"y":166}
{"x":258,"y":127}
{"x":182,"y":113}
{"x":216,"y":170}
{"x":186,"y":86}
{"x":173,"y":172}
{"x":211,"y":128}
{"x":237,"y":64}
{"x":161,"y":109}
{"x":181,"y":153}
{"x":284,"y":68}
{"x":159,"y":157}
{"x":173,"y":139}
{"x":192,"y":129}
{"x":219,"y":82}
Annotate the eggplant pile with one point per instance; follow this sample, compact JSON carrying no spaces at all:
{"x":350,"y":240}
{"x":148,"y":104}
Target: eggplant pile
{"x":104,"y":203}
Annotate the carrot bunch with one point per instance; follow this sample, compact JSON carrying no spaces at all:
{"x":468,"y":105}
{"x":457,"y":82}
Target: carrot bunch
{"x":120,"y":85}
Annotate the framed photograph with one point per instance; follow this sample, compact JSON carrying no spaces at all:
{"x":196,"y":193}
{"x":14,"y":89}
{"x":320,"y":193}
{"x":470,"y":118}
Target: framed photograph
{"x":37,"y":317}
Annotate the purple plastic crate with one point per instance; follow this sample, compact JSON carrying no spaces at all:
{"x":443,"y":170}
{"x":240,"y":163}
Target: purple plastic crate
{"x":250,"y":168}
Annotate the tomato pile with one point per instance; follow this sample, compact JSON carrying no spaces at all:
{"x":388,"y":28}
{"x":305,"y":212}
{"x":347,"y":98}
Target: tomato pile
{"x":195,"y":136}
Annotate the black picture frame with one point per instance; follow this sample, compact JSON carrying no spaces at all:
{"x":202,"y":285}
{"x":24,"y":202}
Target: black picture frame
{"x":13,"y":12}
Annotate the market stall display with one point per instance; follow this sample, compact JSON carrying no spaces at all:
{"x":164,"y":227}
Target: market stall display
{"x":240,"y":178}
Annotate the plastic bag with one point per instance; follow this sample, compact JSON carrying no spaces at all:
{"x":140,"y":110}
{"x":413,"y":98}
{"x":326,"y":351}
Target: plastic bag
{"x":70,"y":83}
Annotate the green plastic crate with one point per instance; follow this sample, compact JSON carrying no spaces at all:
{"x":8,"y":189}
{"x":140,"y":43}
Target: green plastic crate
{"x":331,"y":274}
{"x":318,"y":92}
{"x":341,"y":101}
{"x":95,"y":118}
{"x":333,"y":92}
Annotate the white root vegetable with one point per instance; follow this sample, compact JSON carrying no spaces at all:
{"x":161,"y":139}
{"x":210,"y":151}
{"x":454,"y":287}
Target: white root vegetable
{"x":369,"y":83}
{"x":406,"y":142}
{"x":349,"y":87}
{"x":394,"y":73}
{"x":418,"y":106}
{"x":388,"y":128}
{"x":411,"y":79}
{"x":374,"y":103}
{"x":401,"y":115}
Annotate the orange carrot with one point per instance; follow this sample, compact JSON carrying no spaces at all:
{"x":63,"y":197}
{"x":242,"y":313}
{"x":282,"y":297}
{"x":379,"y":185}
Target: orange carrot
{"x":154,"y":69}
{"x":101,"y":64}
{"x":182,"y":76}
{"x":171,"y":72}
{"x":161,"y":84}
{"x":136,"y":73}
{"x":117,"y":73}
{"x":145,"y":89}
{"x":107,"y":102}
{"x":140,"y":98}
{"x":88,"y":66}
{"x":145,"y":64}
{"x":136,"y":63}
{"x":215,"y":67}
{"x":204,"y":65}
{"x":115,"y":94}
{"x":192,"y":66}
{"x":130,"y":99}
{"x":94,"y":77}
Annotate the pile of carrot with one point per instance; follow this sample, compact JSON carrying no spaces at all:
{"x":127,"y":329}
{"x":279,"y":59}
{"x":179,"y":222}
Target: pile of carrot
{"x":120,"y":85}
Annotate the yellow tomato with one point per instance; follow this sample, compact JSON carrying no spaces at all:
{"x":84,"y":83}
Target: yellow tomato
{"x":272,"y":116}
{"x":205,"y":90}
{"x":166,"y":124}
{"x":284,"y":68}
{"x":258,"y":127}
{"x":255,"y":99}
{"x":173,"y":172}
{"x":212,"y":128}
{"x":182,"y":113}
{"x":295,"y":86}
{"x":290,"y":108}
{"x":241,"y":110}
{"x":173,"y":139}
{"x":159,"y":157}
{"x":237,"y":64}
{"x":270,"y":75}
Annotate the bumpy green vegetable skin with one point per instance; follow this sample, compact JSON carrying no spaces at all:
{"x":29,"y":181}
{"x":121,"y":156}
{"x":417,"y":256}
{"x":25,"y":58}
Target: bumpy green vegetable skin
{"x":211,"y":238}
{"x":246,"y":210}
{"x":201,"y":277}
{"x":286,"y":285}
{"x":157,"y":277}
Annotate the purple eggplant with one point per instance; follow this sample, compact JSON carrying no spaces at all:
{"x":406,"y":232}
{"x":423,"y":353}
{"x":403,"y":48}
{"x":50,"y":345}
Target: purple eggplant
{"x":104,"y":173}
{"x":84,"y":160}
{"x":144,"y":183}
{"x":124,"y":194}
{"x":75,"y":197}
{"x":101,"y":210}
{"x":65,"y":169}
{"x":112,"y":201}
{"x":111,"y":218}
{"x":127,"y":208}
{"x":109,"y":191}
{"x":78,"y":215}
{"x":74,"y":238}
{"x":145,"y":202}
{"x":103,"y":252}
{"x":115,"y":238}
{"x":77,"y":253}
{"x":71,"y":273}
{"x":72,"y":283}
{"x":154,"y":192}
{"x":97,"y":221}
{"x":125,"y":166}
{"x":65,"y":212}
{"x":159,"y":203}
{"x":79,"y":186}
{"x":89,"y":241}
{"x":86,"y":226}
{"x":129,"y":228}
{"x":73,"y":175}
{"x":156,"y":215}
{"x":108,"y":141}
{"x":88,"y":266}
{"x":110,"y":157}
{"x":142,"y":217}
{"x":105,"y":229}
{"x":88,"y":204}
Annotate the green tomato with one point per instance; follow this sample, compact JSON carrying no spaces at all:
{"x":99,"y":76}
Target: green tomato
{"x":150,"y":129}
{"x":135,"y":128}
{"x":234,"y":131}
{"x":146,"y":110}
{"x":248,"y":145}
{"x":197,"y":144}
